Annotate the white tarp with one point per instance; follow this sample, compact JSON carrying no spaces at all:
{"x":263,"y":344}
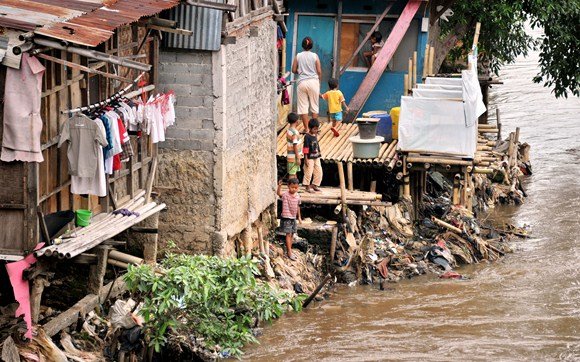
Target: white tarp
{"x":437,"y":93}
{"x":440,"y":86}
{"x":474,"y":106}
{"x":436,"y":125}
{"x":443,"y":81}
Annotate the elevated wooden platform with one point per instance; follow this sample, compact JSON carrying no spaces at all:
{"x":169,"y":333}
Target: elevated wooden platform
{"x":331,"y":196}
{"x":339,"y":149}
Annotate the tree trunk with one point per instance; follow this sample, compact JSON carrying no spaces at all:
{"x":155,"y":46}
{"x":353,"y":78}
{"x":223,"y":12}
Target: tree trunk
{"x":444,"y":45}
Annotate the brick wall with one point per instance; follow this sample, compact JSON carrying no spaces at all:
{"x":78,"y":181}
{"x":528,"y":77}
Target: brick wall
{"x":186,"y":162}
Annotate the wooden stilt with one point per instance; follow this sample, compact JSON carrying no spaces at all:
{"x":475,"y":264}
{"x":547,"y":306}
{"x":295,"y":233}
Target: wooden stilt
{"x":350,"y":176}
{"x":97,"y":271}
{"x":333,"y":243}
{"x":38,"y":286}
{"x":342,"y":189}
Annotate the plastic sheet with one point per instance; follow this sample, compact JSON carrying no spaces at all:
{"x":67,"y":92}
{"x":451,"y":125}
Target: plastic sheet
{"x":443,"y":81}
{"x":457,"y":87}
{"x":436,"y":125}
{"x":437,"y":93}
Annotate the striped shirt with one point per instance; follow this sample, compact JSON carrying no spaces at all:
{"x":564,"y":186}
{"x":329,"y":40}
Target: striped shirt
{"x":290,"y":205}
{"x":293,"y":138}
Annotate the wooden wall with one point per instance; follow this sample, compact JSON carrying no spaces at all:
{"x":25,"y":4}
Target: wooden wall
{"x":24,"y":186}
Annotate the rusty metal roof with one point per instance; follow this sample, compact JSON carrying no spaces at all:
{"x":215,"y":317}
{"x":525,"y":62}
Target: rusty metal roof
{"x":85,"y":22}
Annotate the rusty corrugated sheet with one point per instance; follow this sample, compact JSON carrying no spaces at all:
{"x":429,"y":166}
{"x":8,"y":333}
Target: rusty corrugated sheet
{"x":206,"y":25}
{"x":85,"y":22}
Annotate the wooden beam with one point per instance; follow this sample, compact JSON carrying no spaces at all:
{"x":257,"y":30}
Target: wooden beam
{"x":83,"y":68}
{"x":383,"y":58}
{"x":366,"y":38}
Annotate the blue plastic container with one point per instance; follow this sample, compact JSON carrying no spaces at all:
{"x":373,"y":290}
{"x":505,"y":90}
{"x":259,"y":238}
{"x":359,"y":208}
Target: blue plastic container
{"x":385,"y":126}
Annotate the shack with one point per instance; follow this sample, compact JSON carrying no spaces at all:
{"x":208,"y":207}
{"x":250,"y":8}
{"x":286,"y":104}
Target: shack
{"x":61,"y":60}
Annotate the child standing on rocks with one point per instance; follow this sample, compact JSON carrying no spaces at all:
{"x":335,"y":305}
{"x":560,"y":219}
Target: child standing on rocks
{"x":335,"y":100}
{"x":290,"y":210}
{"x":312,"y":166}
{"x":294,"y":148}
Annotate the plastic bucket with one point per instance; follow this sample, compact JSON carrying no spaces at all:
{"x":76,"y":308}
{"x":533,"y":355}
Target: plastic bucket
{"x":83,"y":217}
{"x":367,"y":128}
{"x":365,"y":148}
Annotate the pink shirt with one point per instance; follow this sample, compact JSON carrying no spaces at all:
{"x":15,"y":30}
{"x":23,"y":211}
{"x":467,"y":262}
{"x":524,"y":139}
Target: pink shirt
{"x":290,"y":205}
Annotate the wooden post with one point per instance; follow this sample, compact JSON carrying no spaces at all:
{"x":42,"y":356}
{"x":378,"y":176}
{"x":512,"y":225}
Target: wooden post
{"x":406,"y":84}
{"x":373,"y":187}
{"x":97,"y":272}
{"x":350,"y":176}
{"x":151,"y":241}
{"x":342,"y":189}
{"x":333,"y":243}
{"x":38,"y":286}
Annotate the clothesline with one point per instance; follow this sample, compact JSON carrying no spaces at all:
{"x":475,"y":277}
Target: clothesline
{"x":108,"y":100}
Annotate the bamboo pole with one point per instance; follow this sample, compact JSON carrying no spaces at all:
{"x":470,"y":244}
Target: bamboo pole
{"x":316,"y":291}
{"x":438,"y":160}
{"x":406,"y":179}
{"x":406,"y":84}
{"x":350,"y":176}
{"x":456,"y":186}
{"x":333,"y":243}
{"x":425,"y":61}
{"x":342,"y":189}
{"x":431,"y":59}
{"x":446,"y":225}
{"x":410,"y":78}
{"x":414,"y":68}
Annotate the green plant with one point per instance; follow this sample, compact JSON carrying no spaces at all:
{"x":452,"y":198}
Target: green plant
{"x":216,"y":300}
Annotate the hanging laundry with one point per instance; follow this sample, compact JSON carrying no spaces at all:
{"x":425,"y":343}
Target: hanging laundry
{"x":84,"y":138}
{"x":97,"y":183}
{"x":22,"y":121}
{"x":127,"y":149}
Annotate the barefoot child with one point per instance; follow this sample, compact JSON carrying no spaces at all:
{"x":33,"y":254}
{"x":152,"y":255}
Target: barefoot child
{"x":294,"y":147}
{"x":290,"y":210}
{"x":335,"y":100}
{"x":312,"y":166}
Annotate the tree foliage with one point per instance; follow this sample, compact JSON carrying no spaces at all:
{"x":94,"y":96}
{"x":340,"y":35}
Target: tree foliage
{"x":211,"y":300}
{"x":503,"y":36}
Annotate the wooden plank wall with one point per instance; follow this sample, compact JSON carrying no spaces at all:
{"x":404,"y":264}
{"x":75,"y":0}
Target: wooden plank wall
{"x":65,"y":88}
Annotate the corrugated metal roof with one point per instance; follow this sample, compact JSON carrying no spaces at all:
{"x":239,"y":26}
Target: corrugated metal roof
{"x":85,"y":22}
{"x":206,"y":25}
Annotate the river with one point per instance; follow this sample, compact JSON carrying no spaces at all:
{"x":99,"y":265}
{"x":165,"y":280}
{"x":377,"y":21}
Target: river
{"x":524,"y":307}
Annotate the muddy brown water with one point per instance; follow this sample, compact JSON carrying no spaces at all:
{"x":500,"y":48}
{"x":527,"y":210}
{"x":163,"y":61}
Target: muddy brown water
{"x":524,"y":307}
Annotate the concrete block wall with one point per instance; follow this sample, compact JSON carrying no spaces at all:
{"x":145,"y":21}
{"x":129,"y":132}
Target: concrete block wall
{"x":217,"y":168}
{"x":186,"y":158}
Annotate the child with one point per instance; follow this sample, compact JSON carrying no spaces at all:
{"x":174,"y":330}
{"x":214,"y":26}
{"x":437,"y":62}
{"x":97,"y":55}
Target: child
{"x":376,"y":45}
{"x":312,"y":166}
{"x":335,"y":100}
{"x":294,"y":149}
{"x":290,"y":210}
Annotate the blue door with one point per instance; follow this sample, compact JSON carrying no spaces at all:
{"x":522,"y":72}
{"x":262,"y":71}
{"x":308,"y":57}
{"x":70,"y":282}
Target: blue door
{"x":321,"y":30}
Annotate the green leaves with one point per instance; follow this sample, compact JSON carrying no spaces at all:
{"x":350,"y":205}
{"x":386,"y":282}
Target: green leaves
{"x":504,"y":38}
{"x":216,"y":300}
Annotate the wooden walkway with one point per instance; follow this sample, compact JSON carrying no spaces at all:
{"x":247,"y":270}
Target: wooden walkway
{"x":331,"y":196}
{"x":339,"y":149}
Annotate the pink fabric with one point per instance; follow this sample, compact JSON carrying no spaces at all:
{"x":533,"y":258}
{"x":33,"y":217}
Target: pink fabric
{"x":22,"y":122}
{"x":290,"y":205}
{"x":21,"y":288}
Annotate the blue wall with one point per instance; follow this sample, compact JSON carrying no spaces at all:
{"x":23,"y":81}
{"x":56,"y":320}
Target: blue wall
{"x":389,"y":90}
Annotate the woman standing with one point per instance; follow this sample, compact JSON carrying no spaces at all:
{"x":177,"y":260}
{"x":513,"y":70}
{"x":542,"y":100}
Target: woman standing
{"x":307,"y":66}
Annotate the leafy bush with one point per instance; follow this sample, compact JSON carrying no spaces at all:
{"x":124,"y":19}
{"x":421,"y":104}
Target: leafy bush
{"x":216,"y":300}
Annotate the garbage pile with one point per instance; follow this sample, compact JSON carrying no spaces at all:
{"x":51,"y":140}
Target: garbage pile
{"x":389,"y":247}
{"x":498,"y":180}
{"x":115,"y":336}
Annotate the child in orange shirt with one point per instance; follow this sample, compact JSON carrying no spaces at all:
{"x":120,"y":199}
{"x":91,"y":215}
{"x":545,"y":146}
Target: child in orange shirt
{"x":335,"y":100}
